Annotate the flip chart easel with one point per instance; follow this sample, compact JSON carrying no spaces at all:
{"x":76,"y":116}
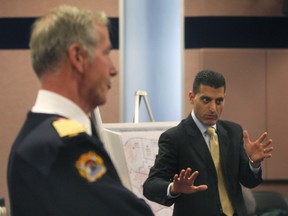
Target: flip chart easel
{"x":133,"y":148}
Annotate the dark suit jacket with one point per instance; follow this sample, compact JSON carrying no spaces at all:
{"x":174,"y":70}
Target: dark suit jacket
{"x":43,"y":178}
{"x":184,"y":146}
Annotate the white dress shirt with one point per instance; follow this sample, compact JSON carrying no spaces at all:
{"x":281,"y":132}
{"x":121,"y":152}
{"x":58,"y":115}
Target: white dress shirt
{"x":203,"y":129}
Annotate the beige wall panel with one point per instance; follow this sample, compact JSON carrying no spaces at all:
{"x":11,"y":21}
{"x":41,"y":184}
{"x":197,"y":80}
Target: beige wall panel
{"x":192,"y":66}
{"x":233,"y":8}
{"x":244,"y":70}
{"x":19,"y":87}
{"x":31,"y":8}
{"x":255,"y":82}
{"x":277,"y":107}
{"x":110,"y":112}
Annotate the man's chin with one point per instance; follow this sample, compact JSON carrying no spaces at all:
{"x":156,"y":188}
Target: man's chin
{"x":101,"y":101}
{"x":210,"y":122}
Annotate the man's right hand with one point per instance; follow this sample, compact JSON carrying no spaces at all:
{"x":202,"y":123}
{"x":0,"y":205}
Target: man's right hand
{"x":184,"y":183}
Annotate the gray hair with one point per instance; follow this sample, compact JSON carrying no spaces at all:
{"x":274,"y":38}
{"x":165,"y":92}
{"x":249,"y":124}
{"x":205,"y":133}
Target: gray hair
{"x":53,"y":34}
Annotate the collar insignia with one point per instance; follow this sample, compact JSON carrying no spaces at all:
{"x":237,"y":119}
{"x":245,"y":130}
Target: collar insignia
{"x":68,"y":127}
{"x":90,"y":166}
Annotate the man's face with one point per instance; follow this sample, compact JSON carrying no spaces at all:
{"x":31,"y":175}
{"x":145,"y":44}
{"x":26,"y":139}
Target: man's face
{"x":100,"y":70}
{"x":208,"y":104}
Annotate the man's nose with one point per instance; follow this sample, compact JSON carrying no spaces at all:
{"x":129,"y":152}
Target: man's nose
{"x":212,"y":106}
{"x":113,"y":70}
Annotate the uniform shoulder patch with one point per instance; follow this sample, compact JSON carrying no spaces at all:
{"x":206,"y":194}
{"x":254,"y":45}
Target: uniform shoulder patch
{"x":68,"y":127}
{"x":90,"y":166}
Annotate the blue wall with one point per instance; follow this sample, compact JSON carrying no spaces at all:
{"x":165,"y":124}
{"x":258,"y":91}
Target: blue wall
{"x":152,"y":58}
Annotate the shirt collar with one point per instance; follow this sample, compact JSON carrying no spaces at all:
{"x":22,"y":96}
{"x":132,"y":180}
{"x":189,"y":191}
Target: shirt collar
{"x":53,"y":103}
{"x":203,"y":128}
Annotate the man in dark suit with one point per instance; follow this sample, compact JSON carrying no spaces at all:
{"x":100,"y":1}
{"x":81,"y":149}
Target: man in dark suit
{"x":58,"y":166}
{"x":185,"y":174}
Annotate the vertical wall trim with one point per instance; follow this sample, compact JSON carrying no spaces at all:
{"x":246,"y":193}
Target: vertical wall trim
{"x":183,"y":90}
{"x":121,"y":57}
{"x":266,"y":174}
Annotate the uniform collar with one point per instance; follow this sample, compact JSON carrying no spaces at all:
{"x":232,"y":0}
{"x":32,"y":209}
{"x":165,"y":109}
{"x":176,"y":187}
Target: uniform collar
{"x":53,"y":103}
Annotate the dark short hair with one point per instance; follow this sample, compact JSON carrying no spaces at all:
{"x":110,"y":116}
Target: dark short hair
{"x":210,"y":78}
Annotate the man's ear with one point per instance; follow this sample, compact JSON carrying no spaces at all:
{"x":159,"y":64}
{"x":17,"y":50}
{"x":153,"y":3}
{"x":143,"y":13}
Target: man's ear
{"x":225,"y":96}
{"x":191,"y":97}
{"x":77,"y":57}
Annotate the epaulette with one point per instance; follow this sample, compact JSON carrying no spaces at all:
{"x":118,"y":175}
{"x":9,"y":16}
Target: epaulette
{"x":68,"y":127}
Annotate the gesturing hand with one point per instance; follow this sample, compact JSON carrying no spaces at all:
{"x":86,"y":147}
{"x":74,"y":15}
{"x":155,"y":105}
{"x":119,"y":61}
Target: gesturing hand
{"x":258,"y":150}
{"x":184,"y":183}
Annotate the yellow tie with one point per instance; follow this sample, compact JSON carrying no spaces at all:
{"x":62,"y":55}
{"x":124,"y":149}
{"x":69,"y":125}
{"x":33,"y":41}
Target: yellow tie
{"x":214,"y":149}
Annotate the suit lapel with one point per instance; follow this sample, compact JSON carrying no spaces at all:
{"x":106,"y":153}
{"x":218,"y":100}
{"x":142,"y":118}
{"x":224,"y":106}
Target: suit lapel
{"x":224,"y":145}
{"x":198,"y":143}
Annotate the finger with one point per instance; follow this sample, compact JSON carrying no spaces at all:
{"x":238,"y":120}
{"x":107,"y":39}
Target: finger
{"x":246,"y":136}
{"x":268,"y":150}
{"x":268,"y":155}
{"x":176,"y":177}
{"x":262,"y":137}
{"x":269,"y":142}
{"x":182,"y":174}
{"x":193,"y":176}
{"x":200,"y":188}
{"x":187,"y":173}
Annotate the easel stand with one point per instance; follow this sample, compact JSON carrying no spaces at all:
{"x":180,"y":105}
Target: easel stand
{"x":138,"y":96}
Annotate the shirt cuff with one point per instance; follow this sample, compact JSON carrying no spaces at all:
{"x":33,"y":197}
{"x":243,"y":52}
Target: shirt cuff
{"x":255,"y":170}
{"x":169,"y":195}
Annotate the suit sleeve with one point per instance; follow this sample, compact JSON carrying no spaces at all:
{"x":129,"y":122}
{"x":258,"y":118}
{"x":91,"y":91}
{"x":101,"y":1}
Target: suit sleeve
{"x":163,"y":171}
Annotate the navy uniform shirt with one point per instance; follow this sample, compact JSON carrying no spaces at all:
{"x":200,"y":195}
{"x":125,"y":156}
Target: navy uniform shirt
{"x":57,"y":169}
